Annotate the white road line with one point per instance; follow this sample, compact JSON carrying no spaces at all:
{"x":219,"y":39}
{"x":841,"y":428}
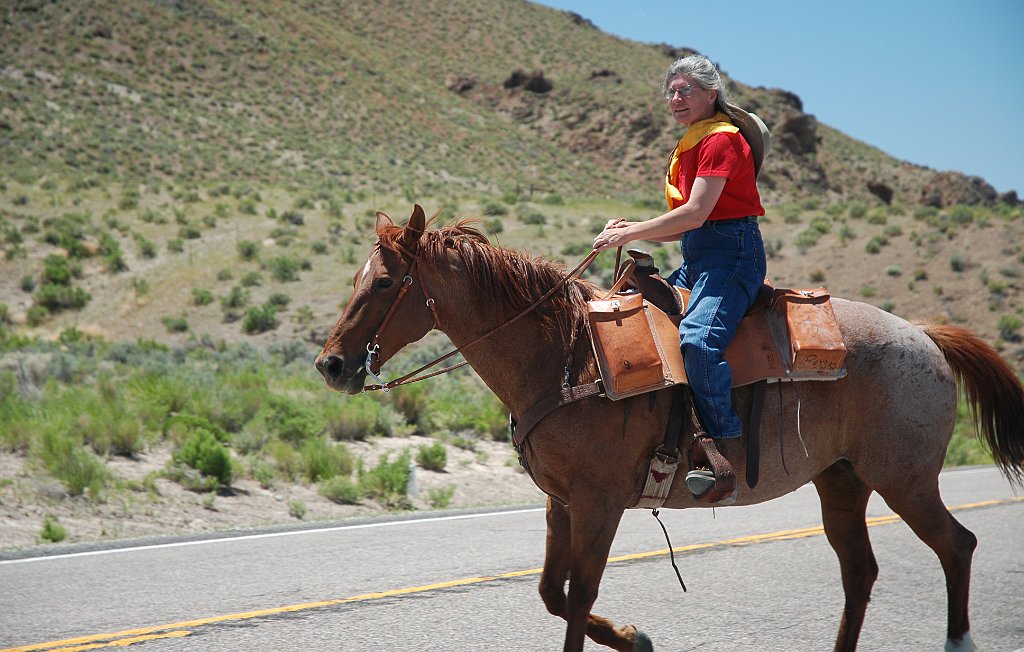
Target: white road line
{"x":270,"y":535}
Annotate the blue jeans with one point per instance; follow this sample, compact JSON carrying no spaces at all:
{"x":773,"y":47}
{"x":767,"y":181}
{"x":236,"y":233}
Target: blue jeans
{"x":723,"y":267}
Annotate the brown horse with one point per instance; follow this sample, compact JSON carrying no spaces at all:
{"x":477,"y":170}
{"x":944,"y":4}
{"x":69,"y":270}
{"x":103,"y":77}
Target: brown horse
{"x":884,"y":427}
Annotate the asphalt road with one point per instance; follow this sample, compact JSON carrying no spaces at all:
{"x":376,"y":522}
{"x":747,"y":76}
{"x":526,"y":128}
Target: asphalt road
{"x":759,"y":578}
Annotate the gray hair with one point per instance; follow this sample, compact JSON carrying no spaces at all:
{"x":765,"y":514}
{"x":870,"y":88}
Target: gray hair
{"x":701,"y":70}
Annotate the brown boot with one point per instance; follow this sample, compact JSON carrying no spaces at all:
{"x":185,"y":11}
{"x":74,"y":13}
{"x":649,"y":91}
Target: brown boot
{"x":711,"y":478}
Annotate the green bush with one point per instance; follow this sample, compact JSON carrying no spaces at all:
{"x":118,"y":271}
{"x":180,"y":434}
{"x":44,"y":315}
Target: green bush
{"x":237,"y":297}
{"x":341,"y":489}
{"x":175,"y":324}
{"x":260,"y":319}
{"x":201,"y":297}
{"x":284,"y":269}
{"x":297,"y":508}
{"x":388,"y":482}
{"x":202,"y":452}
{"x":57,"y":298}
{"x":68,"y":461}
{"x":441,"y":497}
{"x":292,"y":421}
{"x":322,"y":460}
{"x":1008,"y":325}
{"x":354,"y":418}
{"x":432,"y":458}
{"x":56,"y":271}
{"x":52,"y":532}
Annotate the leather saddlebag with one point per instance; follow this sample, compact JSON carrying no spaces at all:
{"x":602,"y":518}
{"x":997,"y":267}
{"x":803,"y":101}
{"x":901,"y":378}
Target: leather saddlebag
{"x":631,"y":358}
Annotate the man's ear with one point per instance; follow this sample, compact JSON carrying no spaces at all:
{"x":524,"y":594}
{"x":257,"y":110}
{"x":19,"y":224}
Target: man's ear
{"x":414,"y":229}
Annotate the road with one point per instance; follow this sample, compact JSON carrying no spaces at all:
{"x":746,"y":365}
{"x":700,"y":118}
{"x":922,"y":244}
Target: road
{"x":759,"y":578}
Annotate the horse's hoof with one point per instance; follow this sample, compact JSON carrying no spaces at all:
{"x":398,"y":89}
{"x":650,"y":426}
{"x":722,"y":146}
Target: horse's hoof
{"x":642,"y":643}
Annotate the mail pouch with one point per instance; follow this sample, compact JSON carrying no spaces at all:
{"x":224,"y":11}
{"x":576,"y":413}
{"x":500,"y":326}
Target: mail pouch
{"x":630,"y":357}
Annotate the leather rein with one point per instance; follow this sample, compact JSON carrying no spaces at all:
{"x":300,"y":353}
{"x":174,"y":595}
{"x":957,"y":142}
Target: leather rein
{"x":373,"y":361}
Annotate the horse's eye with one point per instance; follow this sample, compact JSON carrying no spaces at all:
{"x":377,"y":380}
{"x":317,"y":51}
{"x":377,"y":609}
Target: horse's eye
{"x":384,"y":283}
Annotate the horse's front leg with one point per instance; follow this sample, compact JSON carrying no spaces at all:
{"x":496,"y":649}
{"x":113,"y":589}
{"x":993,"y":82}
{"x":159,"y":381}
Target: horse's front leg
{"x":579,"y":539}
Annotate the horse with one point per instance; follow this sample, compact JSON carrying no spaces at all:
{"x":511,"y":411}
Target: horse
{"x":522,"y":326}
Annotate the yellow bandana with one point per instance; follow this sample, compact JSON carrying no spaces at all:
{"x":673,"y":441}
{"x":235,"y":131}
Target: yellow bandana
{"x":717,"y":123}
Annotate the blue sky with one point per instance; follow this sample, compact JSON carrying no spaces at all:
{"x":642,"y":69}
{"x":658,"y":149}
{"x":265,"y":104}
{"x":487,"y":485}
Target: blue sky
{"x":934,"y":82}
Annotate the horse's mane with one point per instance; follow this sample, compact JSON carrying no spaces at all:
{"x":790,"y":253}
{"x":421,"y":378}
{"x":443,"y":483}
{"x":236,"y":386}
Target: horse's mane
{"x":512,"y":278}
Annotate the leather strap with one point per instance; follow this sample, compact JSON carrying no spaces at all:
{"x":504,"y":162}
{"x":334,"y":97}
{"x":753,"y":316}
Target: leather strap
{"x":545,"y":406}
{"x":754,"y":434}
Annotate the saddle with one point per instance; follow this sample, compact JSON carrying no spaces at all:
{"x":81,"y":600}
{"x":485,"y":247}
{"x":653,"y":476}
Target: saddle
{"x":786,"y":335}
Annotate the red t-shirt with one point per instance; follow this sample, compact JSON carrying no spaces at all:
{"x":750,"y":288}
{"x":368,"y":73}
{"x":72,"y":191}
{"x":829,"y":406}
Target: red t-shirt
{"x":723,"y":155}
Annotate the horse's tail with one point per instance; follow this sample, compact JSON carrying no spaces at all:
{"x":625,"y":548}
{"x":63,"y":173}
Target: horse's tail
{"x":994,"y":393}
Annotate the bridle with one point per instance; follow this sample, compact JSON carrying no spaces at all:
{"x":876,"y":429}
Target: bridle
{"x":373,"y":362}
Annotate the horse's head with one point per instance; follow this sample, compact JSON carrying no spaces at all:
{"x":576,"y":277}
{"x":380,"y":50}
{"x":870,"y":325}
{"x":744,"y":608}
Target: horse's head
{"x":380,"y":318}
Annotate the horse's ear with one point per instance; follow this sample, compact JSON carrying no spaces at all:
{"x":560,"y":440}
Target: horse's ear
{"x":415,"y":228}
{"x":383,"y":222}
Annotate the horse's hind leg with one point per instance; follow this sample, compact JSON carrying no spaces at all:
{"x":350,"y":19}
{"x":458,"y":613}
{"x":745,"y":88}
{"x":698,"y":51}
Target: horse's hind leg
{"x":923,"y":510}
{"x":844,"y":500}
{"x":557,"y":564}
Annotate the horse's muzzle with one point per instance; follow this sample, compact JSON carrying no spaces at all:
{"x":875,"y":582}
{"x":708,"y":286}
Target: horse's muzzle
{"x":340,"y":376}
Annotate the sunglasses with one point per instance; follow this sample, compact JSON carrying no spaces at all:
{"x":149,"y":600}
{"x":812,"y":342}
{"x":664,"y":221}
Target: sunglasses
{"x":682,"y":91}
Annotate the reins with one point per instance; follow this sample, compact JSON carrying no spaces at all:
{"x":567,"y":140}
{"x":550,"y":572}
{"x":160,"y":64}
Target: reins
{"x":373,"y":347}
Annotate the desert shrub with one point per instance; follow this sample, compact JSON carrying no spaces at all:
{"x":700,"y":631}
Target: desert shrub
{"x":297,"y":508}
{"x":237,"y":297}
{"x":494,"y":226}
{"x":1008,"y":327}
{"x":279,"y":300}
{"x":225,"y":275}
{"x":466,"y":407}
{"x":807,"y":239}
{"x":68,"y":461}
{"x":52,"y":531}
{"x":201,"y":297}
{"x":202,"y":452}
{"x":875,"y":244}
{"x":440,"y":497}
{"x":342,"y":490}
{"x":247,"y":249}
{"x":147,"y":249}
{"x":532,"y":216}
{"x":174,"y":324}
{"x":252,"y":279}
{"x":355,"y":418}
{"x":260,"y":319}
{"x":964,"y":450}
{"x":894,"y":270}
{"x":56,"y":271}
{"x":36,"y":315}
{"x":957,"y":263}
{"x":432,"y":458}
{"x":291,"y":420}
{"x":817,"y":276}
{"x":388,"y":482}
{"x":284,"y":269}
{"x":113,"y":257}
{"x":57,"y":298}
{"x":322,"y":459}
{"x":494,"y":208}
{"x":285,"y":459}
{"x":821,"y":224}
{"x":176,"y":245}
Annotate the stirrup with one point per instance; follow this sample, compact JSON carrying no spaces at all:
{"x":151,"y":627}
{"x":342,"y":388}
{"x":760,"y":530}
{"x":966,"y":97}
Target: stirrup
{"x":711,"y":473}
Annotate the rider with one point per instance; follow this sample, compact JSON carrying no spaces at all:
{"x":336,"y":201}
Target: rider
{"x":713,"y":208}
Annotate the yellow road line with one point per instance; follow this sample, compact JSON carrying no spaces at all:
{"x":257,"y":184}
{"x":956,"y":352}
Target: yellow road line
{"x":132,"y":636}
